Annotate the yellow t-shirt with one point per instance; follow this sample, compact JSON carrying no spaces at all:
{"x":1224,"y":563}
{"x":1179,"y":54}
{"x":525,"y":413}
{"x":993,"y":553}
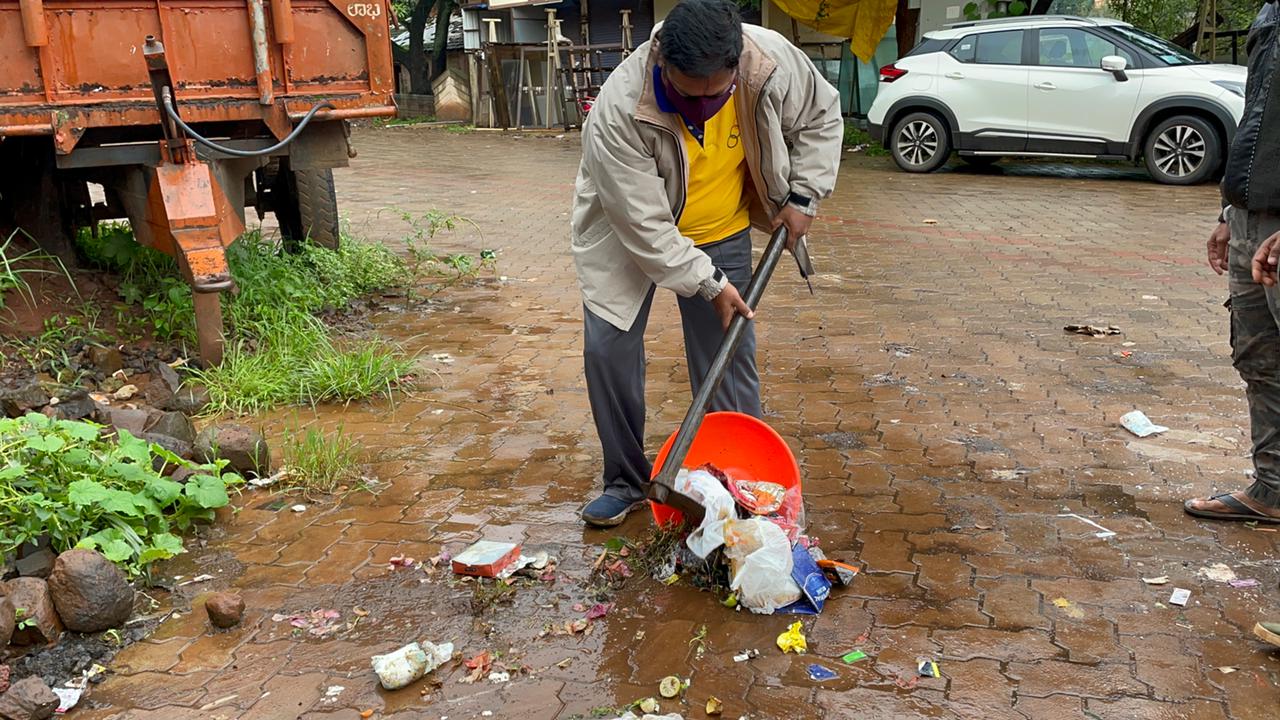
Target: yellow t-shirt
{"x":716,"y":205}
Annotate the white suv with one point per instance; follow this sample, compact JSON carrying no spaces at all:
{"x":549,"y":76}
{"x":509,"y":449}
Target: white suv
{"x":1059,"y":87}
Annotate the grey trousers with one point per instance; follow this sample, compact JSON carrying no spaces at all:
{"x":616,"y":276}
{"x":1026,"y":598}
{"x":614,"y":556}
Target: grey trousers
{"x":615,"y":365}
{"x":1255,"y":349}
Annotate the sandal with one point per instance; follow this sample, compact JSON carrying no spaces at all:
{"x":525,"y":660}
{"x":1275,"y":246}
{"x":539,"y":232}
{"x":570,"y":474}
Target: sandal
{"x":1239,"y":511}
{"x":1268,"y":632}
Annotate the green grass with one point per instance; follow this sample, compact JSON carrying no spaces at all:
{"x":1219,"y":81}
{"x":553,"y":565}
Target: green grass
{"x":14,"y":272}
{"x":854,"y":136}
{"x":319,"y":463}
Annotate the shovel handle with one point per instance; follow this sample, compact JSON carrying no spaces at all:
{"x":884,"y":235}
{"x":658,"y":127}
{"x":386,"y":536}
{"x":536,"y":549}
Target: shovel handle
{"x":665,"y":480}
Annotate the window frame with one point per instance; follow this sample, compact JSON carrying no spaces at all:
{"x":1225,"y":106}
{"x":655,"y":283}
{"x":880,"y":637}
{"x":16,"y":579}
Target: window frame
{"x":1137,"y":59}
{"x":1023,"y":60}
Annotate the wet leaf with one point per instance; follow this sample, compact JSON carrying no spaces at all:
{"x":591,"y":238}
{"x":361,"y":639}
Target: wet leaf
{"x":714,"y":706}
{"x":599,"y":610}
{"x":615,"y":544}
{"x":359,"y":611}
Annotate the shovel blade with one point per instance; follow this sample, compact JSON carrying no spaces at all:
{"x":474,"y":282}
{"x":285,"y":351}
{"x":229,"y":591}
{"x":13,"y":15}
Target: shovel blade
{"x":691,"y":509}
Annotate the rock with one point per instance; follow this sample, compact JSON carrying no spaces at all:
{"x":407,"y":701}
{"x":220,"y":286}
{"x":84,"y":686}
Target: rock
{"x":35,"y":564}
{"x":166,"y":375}
{"x":89,"y":591}
{"x":189,"y":400}
{"x":186,"y":451}
{"x":173,"y":424}
{"x":76,"y":405}
{"x":107,"y":360}
{"x":16,"y":402}
{"x":28,"y":699}
{"x":5,"y":672}
{"x":135,"y":421}
{"x":7,"y":623}
{"x":225,"y":609}
{"x":244,"y":448}
{"x":30,"y":597}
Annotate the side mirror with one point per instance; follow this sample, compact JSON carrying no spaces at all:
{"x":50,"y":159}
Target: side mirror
{"x":1116,"y":65}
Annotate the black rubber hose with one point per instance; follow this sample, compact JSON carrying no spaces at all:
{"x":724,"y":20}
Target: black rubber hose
{"x":167,"y":97}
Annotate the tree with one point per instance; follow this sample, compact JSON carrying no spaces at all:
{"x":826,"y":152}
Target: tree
{"x":415,"y":14}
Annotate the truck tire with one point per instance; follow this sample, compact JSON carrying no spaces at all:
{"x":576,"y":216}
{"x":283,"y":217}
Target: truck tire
{"x":305,"y":204}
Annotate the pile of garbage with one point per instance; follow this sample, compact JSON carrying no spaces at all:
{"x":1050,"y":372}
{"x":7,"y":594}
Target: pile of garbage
{"x":753,"y":531}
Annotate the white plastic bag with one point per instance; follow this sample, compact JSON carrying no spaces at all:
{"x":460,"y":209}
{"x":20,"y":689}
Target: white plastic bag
{"x":760,"y":563}
{"x":398,"y":669}
{"x":707,"y":490}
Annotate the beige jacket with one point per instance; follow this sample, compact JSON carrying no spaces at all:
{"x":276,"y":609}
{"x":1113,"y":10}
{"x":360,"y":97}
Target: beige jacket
{"x":631,"y":183}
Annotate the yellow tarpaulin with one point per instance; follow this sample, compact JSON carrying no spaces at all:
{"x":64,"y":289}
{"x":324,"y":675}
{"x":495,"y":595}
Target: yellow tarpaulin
{"x":864,"y":22}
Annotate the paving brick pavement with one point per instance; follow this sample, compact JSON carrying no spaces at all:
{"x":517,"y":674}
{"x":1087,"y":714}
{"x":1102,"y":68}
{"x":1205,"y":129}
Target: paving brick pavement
{"x":943,"y":420}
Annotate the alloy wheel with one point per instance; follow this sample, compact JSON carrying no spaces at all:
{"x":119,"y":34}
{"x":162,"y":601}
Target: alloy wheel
{"x":917,"y":142}
{"x":1179,"y":151}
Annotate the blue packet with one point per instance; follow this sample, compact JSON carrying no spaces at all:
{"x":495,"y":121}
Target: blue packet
{"x":814,"y":585}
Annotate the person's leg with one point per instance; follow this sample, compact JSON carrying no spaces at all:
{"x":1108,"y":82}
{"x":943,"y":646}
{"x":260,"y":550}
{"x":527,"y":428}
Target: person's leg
{"x":740,"y":390}
{"x":1255,"y":353}
{"x":615,"y":368}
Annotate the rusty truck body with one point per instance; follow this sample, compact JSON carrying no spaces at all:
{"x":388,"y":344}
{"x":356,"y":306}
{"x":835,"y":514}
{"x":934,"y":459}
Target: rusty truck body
{"x":185,"y":112}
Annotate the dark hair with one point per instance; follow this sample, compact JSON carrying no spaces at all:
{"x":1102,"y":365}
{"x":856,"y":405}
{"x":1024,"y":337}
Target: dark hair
{"x":702,"y":37}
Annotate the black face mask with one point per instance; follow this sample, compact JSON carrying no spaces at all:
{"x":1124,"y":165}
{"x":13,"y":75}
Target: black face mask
{"x":700,"y":109}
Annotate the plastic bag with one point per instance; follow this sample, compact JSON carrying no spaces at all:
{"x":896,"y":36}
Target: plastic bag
{"x":398,"y":669}
{"x":707,"y":490}
{"x":760,"y":564}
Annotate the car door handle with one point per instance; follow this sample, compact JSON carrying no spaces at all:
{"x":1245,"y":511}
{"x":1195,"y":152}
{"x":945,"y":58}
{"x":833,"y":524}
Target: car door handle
{"x":1046,"y":86}
{"x":955,"y":75}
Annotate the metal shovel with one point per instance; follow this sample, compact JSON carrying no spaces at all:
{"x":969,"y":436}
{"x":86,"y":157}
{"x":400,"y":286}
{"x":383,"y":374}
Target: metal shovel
{"x":662,"y":488}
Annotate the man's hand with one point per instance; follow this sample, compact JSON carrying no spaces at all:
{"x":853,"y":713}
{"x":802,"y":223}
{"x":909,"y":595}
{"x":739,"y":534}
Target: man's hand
{"x":1266,"y":260}
{"x":729,"y":302}
{"x":797,"y":224}
{"x":1217,"y":244}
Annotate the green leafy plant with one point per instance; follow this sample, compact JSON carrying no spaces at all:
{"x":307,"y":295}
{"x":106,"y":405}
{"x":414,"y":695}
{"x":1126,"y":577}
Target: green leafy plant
{"x":67,"y":480}
{"x":22,"y":619}
{"x":855,"y":136}
{"x":432,"y":272}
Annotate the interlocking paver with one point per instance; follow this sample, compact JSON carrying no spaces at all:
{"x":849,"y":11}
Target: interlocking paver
{"x":940,"y":415}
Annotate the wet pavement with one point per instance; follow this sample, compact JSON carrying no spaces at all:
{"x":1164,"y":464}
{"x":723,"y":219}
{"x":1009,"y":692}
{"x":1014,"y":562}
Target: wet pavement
{"x":942,"y":418}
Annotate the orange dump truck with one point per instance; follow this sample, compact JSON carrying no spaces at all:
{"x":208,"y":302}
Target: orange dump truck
{"x":185,"y":112}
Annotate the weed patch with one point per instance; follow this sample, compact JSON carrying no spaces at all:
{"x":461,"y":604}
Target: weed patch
{"x":319,"y":463}
{"x":855,"y":137}
{"x":67,"y":480}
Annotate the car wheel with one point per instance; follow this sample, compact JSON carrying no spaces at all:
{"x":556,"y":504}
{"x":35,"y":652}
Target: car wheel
{"x":1183,"y":150}
{"x":920,"y":143}
{"x":981,"y":161}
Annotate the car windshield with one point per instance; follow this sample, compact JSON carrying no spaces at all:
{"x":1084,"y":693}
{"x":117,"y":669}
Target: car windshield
{"x":1165,"y":51}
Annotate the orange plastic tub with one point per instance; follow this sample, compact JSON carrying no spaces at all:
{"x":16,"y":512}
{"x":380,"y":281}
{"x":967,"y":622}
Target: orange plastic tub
{"x":742,"y":446}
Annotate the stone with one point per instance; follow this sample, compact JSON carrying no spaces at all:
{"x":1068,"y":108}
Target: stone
{"x":107,"y":360}
{"x":28,"y":699}
{"x":131,"y":419}
{"x":5,"y":672}
{"x":244,"y":448}
{"x":189,"y":400}
{"x":90,"y":593}
{"x":7,"y":622}
{"x":173,"y":424}
{"x":35,"y":564}
{"x":76,"y":405}
{"x":30,"y":597}
{"x":225,"y":609}
{"x":165,"y":383}
{"x":16,"y":402}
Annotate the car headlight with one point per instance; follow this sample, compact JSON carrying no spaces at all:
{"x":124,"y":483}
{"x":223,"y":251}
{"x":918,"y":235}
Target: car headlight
{"x":1232,"y":86}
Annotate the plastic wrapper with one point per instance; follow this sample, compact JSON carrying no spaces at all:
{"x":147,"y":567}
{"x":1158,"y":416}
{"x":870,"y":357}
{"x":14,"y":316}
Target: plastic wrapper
{"x":707,"y":489}
{"x":398,"y":669}
{"x":760,"y":564}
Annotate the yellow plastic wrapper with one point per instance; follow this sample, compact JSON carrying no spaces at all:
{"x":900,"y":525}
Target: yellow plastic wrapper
{"x":793,"y":640}
{"x":864,"y":22}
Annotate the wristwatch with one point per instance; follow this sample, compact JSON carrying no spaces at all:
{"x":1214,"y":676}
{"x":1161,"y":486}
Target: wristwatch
{"x":709,"y":288}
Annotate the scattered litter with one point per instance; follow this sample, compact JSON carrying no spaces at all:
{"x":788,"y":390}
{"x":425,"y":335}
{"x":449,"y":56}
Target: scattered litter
{"x":1071,"y":609}
{"x":400,"y":561}
{"x":929,"y":221}
{"x":486,"y":558}
{"x":707,"y":490}
{"x":479,"y":666}
{"x":1180,"y":597}
{"x":793,"y":640}
{"x":1092,"y":330}
{"x":366,"y":714}
{"x":817,"y":673}
{"x":746,"y":655}
{"x":520,"y":563}
{"x":760,"y":561}
{"x":124,"y":393}
{"x":670,"y":686}
{"x":317,"y":622}
{"x":298,"y":508}
{"x":927,"y":667}
{"x":445,"y":358}
{"x":398,"y":669}
{"x":714,"y":706}
{"x":599,"y":610}
{"x":67,"y":698}
{"x":1150,"y":297}
{"x":1244,"y":583}
{"x":196,"y":579}
{"x":333,"y":691}
{"x":499,"y":676}
{"x":1139,"y":424}
{"x":1162,"y":580}
{"x":1128,"y":344}
{"x":648,"y":705}
{"x":1102,"y":532}
{"x":854,"y":656}
{"x":261,"y":482}
{"x":1217,"y":572}
{"x":1227,"y":670}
